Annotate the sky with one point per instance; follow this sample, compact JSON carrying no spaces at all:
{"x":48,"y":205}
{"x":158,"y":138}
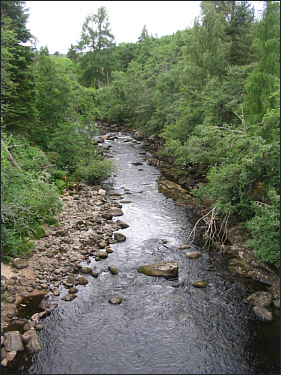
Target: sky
{"x":58,"y":24}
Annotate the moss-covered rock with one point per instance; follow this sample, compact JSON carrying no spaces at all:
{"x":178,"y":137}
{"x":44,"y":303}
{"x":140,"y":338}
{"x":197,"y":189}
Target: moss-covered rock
{"x":113,"y":270}
{"x":199,"y":284}
{"x":165,"y":269}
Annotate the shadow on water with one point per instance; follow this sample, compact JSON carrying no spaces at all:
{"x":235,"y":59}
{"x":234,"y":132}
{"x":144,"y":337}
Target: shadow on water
{"x":162,"y":326}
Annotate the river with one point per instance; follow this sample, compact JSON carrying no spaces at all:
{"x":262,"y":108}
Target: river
{"x":162,"y":326}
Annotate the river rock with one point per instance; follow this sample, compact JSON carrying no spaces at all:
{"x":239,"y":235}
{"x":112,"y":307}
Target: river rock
{"x":69,"y":297}
{"x":183,"y":247}
{"x":11,"y":355}
{"x":114,"y":211}
{"x":94,"y":274}
{"x":121,"y":224}
{"x":86,"y":270}
{"x":193,"y":254}
{"x":166,"y":269}
{"x":260,"y":298}
{"x":115,"y":300}
{"x":262,"y":313}
{"x":113,"y":270}
{"x":31,"y":340}
{"x":43,"y":305}
{"x":82,"y":280}
{"x":199,"y":284}
{"x":19,"y":263}
{"x":4,"y":362}
{"x":101,"y":254}
{"x":72,"y":290}
{"x":13,"y":341}
{"x":119,"y":237}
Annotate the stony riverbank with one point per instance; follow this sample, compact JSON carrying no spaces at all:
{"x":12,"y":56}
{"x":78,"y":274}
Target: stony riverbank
{"x":86,"y":228}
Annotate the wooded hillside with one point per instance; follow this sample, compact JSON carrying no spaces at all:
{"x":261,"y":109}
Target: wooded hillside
{"x":211,"y":92}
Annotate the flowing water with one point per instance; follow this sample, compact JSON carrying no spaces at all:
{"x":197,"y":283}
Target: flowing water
{"x":162,"y":326}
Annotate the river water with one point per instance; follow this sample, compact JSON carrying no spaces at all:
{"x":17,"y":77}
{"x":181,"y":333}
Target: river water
{"x":162,"y":326}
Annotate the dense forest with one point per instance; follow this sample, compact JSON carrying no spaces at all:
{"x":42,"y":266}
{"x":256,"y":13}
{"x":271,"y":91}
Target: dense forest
{"x":210,"y":92}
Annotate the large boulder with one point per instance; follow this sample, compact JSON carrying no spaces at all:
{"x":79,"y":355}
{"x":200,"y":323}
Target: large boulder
{"x":19,"y":263}
{"x":13,"y":341}
{"x":166,"y":269}
{"x":260,"y":299}
{"x":31,"y":341}
{"x":262,"y":313}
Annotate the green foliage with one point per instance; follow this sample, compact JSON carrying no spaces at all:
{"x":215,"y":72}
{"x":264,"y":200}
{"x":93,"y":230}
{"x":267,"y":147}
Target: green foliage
{"x":18,"y":96}
{"x":75,"y":152}
{"x":265,"y":229}
{"x":60,"y":98}
{"x":93,"y":171}
{"x":95,"y":64}
{"x":212,"y":92}
{"x":27,"y":201}
{"x":264,"y":79}
{"x":240,"y":34}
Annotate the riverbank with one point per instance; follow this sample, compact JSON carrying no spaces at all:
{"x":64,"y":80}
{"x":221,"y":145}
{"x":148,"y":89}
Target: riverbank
{"x":85,"y":229}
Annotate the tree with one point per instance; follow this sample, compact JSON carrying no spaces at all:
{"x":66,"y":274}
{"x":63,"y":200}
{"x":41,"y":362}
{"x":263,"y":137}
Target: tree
{"x":21,"y":99}
{"x":8,"y":40}
{"x":265,"y":77}
{"x":96,"y":33}
{"x":144,"y":34}
{"x":95,"y":64}
{"x":240,"y":34}
{"x":227,"y":8}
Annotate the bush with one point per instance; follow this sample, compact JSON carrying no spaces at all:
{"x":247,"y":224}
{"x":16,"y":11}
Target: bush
{"x":27,"y":202}
{"x":93,"y":171}
{"x":74,"y":150}
{"x":265,"y":229}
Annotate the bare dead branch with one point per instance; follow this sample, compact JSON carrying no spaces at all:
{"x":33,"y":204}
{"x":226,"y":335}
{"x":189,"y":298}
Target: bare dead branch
{"x":48,"y":166}
{"x":13,"y":160}
{"x":194,"y":228}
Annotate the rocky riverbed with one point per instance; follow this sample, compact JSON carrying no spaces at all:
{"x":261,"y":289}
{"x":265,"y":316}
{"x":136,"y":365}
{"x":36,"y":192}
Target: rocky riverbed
{"x":87,"y":227}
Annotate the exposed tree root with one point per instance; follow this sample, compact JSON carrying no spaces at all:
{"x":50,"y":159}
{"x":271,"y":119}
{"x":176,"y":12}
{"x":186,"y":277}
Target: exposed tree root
{"x":214,"y":232}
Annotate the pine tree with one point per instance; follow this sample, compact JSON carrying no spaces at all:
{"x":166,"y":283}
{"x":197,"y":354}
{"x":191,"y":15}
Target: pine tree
{"x":95,"y":64}
{"x":265,"y":77}
{"x":240,"y":34}
{"x":22,"y":112}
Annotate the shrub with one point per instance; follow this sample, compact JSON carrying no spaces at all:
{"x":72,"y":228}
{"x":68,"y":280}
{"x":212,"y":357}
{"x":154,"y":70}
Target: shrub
{"x":93,"y":171}
{"x":27,"y":202}
{"x":265,"y":229}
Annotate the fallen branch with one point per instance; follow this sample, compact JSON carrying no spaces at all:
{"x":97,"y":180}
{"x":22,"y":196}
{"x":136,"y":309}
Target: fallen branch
{"x":13,"y":160}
